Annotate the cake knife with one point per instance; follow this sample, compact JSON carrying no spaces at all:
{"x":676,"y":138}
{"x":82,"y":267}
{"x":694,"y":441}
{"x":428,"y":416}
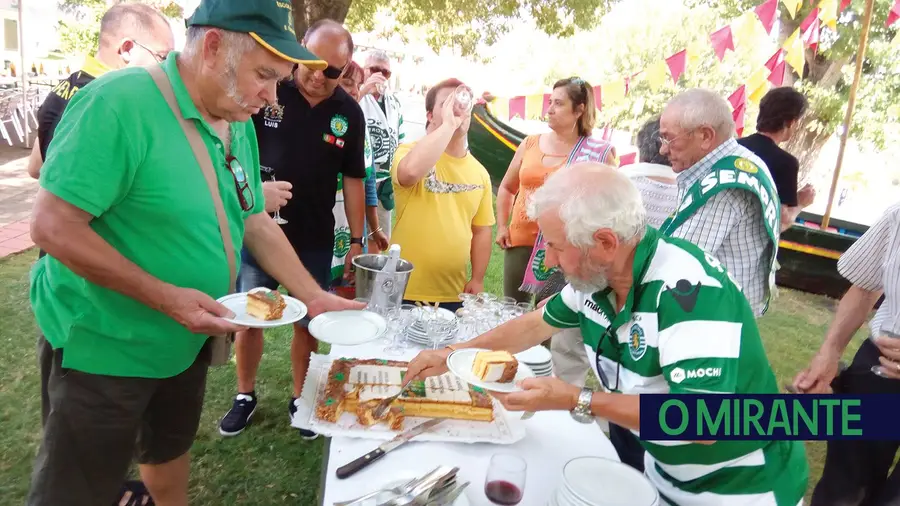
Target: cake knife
{"x":357,"y":465}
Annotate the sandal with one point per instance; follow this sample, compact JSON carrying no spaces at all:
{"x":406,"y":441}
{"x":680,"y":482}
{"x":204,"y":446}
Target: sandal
{"x":134,"y":493}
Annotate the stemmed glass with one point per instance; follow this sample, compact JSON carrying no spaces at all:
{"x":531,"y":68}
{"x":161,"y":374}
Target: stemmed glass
{"x":278,"y":219}
{"x":397,"y":319}
{"x":505,"y":480}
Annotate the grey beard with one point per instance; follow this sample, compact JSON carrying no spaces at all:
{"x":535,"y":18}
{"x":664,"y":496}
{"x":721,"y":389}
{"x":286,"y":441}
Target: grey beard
{"x":595,"y":283}
{"x":229,"y":84}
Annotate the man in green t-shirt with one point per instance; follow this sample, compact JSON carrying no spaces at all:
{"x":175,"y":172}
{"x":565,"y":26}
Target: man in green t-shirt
{"x":126,"y":296}
{"x":657,"y":315}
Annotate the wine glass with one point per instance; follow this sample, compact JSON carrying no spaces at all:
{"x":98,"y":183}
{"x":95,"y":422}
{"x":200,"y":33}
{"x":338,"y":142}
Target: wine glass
{"x":505,"y":480}
{"x":397,"y":319}
{"x":278,"y":219}
{"x":878,"y":369}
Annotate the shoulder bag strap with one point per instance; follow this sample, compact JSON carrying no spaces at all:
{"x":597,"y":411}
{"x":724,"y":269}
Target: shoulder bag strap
{"x":206,"y":165}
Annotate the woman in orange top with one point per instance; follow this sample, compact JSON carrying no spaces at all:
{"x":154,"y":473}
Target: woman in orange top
{"x":571,"y":115}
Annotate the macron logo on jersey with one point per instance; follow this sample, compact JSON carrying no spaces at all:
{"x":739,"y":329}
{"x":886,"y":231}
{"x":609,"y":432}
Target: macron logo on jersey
{"x":595,"y":314}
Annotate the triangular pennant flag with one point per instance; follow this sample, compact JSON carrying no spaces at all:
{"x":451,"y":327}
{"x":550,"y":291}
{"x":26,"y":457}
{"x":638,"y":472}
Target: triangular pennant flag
{"x":546,"y":105}
{"x":533,"y":106}
{"x":738,"y":98}
{"x":657,"y":74}
{"x":766,"y":12}
{"x":758,"y":93}
{"x":776,"y":58}
{"x":738,"y":117}
{"x":598,"y":97}
{"x":792,"y":6}
{"x":722,"y":41}
{"x":745,"y":28}
{"x":894,"y":14}
{"x":696,"y":49}
{"x":777,"y":75}
{"x":517,"y":107}
{"x":500,"y":108}
{"x":758,"y":79}
{"x":613,"y":92}
{"x":811,"y":35}
{"x":896,"y":40}
{"x":844,"y":5}
{"x":828,"y":13}
{"x":795,"y":52}
{"x":812,"y":16}
{"x":677,"y":63}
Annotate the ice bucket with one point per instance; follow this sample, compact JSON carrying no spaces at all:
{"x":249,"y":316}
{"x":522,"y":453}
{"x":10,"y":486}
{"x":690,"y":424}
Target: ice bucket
{"x":367,"y":269}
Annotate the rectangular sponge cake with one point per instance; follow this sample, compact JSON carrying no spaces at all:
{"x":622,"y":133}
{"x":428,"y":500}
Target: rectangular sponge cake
{"x":495,"y":366}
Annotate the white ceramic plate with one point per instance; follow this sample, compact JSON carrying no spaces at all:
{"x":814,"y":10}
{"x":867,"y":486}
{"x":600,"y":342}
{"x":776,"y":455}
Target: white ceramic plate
{"x":537,"y":355}
{"x":460,"y":363}
{"x":237,"y":303}
{"x":347,"y":328}
{"x":604,"y":482}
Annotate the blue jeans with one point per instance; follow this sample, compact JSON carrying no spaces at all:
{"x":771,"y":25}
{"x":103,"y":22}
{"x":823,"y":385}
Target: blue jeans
{"x":251,"y":275}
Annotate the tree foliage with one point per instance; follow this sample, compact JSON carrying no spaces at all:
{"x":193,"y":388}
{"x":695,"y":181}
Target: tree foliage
{"x":80,"y":34}
{"x":460,"y":24}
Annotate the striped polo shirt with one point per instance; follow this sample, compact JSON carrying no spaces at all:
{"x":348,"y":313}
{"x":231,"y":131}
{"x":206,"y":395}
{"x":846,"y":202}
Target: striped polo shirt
{"x":686,"y":328}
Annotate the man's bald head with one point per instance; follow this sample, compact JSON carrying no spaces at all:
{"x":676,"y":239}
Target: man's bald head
{"x":332,"y":28}
{"x":134,"y":34}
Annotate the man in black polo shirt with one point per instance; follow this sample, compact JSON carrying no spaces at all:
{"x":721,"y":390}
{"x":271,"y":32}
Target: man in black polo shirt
{"x":130,"y":35}
{"x":314,"y":132}
{"x":780,"y":111}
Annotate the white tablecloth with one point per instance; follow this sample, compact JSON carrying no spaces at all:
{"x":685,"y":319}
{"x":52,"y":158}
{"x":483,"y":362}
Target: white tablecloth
{"x":553,"y":438}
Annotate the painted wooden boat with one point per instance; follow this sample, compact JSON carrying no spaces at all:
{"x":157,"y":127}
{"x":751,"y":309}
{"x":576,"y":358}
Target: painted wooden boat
{"x":807,"y":254}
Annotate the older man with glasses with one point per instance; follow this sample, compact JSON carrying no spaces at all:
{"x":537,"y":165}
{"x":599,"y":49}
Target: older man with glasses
{"x":644,"y":335}
{"x":312,"y":133}
{"x":728,"y":203}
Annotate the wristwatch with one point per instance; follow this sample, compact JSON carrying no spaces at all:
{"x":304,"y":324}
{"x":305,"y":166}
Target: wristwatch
{"x":582,"y":411}
{"x":356,"y":240}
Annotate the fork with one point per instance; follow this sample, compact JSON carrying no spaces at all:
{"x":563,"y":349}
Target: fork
{"x":398,"y":490}
{"x":422,"y":493}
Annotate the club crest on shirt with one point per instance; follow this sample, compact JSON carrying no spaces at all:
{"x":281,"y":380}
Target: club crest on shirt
{"x":273,"y":114}
{"x":746,"y":166}
{"x":339,"y":125}
{"x":637,"y":344}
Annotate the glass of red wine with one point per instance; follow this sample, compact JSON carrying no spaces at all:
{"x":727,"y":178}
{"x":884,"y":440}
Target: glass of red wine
{"x":505,"y":480}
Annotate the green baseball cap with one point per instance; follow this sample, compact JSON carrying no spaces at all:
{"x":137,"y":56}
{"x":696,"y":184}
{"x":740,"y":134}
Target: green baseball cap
{"x":269,"y":22}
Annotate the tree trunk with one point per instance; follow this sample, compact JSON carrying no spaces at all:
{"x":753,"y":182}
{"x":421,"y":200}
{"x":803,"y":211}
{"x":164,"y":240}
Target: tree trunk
{"x":307,"y":12}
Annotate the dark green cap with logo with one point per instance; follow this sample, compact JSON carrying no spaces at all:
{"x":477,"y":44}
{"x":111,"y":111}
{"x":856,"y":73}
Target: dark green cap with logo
{"x":269,"y":22}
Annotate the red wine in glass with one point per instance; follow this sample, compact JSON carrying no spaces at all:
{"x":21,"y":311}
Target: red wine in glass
{"x":502,"y":492}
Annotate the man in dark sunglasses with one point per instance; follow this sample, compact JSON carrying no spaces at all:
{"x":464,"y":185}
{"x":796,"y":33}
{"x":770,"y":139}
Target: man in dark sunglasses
{"x":658,"y":315}
{"x":314,"y":132}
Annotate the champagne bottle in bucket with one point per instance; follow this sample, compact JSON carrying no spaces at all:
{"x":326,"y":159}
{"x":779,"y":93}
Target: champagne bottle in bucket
{"x":385,"y":282}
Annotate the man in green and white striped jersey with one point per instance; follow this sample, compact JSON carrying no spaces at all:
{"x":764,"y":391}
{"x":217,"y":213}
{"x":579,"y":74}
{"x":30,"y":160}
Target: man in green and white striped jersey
{"x":658,"y":315}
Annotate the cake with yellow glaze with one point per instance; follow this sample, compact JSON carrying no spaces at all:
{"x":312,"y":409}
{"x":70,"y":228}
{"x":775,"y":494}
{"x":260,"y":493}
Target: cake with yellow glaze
{"x":495,"y":366}
{"x":356,"y":386}
{"x":265,"y":304}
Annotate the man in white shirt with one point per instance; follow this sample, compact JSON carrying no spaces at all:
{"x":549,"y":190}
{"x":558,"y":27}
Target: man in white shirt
{"x":856,"y":472}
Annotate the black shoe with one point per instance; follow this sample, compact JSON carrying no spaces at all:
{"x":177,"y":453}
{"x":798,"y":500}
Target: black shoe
{"x":235,"y":421}
{"x":292,"y":410}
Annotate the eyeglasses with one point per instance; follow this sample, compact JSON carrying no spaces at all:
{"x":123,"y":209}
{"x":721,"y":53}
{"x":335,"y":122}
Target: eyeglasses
{"x":665,"y":142}
{"x":159,"y":56}
{"x":383,"y":71}
{"x":603,"y":379}
{"x":332,"y":72}
{"x":245,"y":194}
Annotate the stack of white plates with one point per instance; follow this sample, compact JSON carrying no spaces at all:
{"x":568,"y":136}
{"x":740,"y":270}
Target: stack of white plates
{"x":537,"y":358}
{"x":417,"y":332}
{"x":595,"y":481}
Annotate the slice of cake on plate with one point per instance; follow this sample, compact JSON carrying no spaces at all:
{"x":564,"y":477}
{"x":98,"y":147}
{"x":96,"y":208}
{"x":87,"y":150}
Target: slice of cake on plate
{"x":265,"y":304}
{"x":495,"y":366}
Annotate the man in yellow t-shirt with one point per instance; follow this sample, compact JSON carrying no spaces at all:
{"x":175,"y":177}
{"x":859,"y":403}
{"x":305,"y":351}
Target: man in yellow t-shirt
{"x":444,"y":205}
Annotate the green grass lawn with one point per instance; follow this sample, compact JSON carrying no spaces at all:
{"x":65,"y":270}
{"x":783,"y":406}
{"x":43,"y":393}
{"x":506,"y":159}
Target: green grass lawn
{"x":269,"y":463}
